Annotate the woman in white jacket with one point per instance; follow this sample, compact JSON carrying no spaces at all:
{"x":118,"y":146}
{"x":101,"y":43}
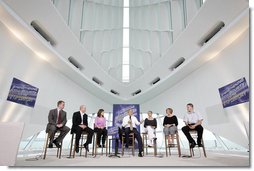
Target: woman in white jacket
{"x":150,"y":125}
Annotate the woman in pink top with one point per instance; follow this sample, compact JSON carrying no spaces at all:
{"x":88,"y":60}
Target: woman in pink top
{"x":100,"y":128}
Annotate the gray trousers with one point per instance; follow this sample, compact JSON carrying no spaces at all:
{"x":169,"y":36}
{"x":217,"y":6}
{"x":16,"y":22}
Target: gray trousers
{"x":63,"y":132}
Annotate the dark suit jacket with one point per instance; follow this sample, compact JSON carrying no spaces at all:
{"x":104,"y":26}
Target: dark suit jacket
{"x":76,"y":120}
{"x":52,"y":118}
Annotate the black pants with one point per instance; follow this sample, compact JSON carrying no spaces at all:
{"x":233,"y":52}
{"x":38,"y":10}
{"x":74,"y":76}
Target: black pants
{"x":87,"y":130}
{"x":101,"y":134}
{"x":127,"y":131}
{"x":186,"y":130}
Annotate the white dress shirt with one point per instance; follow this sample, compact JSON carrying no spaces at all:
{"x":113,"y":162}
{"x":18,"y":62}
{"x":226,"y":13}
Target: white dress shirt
{"x":134,"y":121}
{"x":192,"y":118}
{"x":58,"y":110}
{"x":81,"y":117}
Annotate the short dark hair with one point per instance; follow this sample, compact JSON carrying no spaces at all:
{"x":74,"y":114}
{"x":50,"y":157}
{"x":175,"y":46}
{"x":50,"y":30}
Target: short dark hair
{"x":99,"y":112}
{"x":190,"y":104}
{"x":170,"y":110}
{"x":60,"y":102}
{"x":149,"y":111}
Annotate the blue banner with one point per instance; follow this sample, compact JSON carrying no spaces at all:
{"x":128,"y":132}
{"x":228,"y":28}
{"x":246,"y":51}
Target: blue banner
{"x":22,"y":93}
{"x":234,"y":93}
{"x":112,"y":130}
{"x":120,"y":111}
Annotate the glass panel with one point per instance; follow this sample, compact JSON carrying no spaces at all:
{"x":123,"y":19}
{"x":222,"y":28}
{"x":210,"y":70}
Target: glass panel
{"x":126,"y":59}
{"x":126,"y":17}
{"x":126,"y":37}
{"x":126,"y":73}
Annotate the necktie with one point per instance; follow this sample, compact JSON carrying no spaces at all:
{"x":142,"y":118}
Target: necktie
{"x":131,"y":126}
{"x":59,"y":121}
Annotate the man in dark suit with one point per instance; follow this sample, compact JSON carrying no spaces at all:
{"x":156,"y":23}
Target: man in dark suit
{"x":57,"y":120}
{"x":79,"y":125}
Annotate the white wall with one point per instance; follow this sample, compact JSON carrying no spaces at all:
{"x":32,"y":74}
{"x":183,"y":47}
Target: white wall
{"x":201,"y":88}
{"x":20,"y":62}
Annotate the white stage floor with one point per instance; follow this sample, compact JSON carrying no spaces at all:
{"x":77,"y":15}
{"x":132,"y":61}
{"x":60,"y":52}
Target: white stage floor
{"x":213,"y":159}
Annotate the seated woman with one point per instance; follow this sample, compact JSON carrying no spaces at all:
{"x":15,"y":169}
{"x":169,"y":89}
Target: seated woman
{"x":150,"y":126}
{"x":170,"y":126}
{"x":100,"y":128}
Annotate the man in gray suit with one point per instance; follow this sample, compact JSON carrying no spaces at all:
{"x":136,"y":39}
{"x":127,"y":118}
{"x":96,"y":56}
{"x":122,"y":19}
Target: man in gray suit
{"x":57,"y":120}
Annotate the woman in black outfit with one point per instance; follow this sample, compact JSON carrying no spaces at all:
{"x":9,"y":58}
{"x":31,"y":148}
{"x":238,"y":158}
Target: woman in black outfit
{"x":170,"y":125}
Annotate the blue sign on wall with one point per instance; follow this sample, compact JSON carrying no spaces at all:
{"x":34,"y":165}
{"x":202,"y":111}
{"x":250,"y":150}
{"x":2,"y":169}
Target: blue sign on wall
{"x":22,"y":93}
{"x":234,"y":93}
{"x":119,"y":112}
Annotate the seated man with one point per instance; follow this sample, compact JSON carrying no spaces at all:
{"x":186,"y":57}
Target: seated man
{"x":192,"y":121}
{"x":129,"y":123}
{"x":79,"y":125}
{"x":57,"y":120}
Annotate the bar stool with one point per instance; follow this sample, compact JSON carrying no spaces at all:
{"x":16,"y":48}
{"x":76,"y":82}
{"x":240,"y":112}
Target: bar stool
{"x":95,"y":145}
{"x":144,"y":141}
{"x":177,"y":144}
{"x":81,"y":142}
{"x":59,"y":150}
{"x":132,"y":146}
{"x":194,"y":134}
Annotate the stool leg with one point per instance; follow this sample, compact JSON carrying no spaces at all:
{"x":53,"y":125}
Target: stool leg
{"x":166,"y":146}
{"x":82,"y":140}
{"x":71,"y":145}
{"x":133,"y":145}
{"x":57,"y":153}
{"x":60,"y":155}
{"x":86,"y":154}
{"x":143,"y":141}
{"x":74,"y":149}
{"x":82,"y":144}
{"x":155,"y":147}
{"x":178,"y":145}
{"x":169,"y":147}
{"x":122,"y":145}
{"x":94,"y":146}
{"x":146,"y":145}
{"x":203,"y":148}
{"x":107,"y":146}
{"x":191,"y":152}
{"x":46,"y":146}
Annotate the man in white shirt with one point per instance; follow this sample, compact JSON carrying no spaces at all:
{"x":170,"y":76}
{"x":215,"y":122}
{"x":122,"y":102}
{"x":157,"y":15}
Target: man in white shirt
{"x":130,"y":124}
{"x":192,"y":121}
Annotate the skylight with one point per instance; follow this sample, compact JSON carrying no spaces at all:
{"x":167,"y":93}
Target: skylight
{"x":126,"y":44}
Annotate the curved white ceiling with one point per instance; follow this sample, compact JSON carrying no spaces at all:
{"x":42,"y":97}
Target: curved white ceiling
{"x":160,"y":34}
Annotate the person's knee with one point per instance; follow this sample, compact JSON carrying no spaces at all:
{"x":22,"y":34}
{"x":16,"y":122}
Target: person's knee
{"x":52,"y":129}
{"x":67,"y":129}
{"x":184,"y":129}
